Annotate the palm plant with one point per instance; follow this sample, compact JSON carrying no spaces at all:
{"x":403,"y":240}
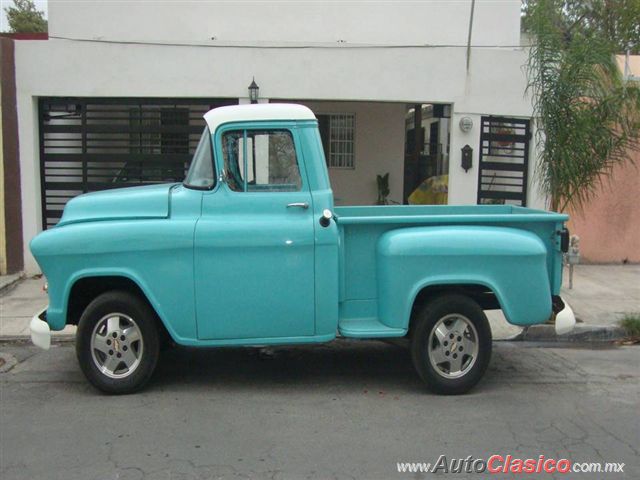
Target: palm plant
{"x":588,"y":117}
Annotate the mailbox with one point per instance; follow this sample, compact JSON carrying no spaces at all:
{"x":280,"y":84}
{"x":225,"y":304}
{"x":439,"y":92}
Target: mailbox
{"x":467,"y":157}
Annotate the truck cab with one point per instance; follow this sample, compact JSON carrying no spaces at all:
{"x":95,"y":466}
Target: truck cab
{"x":266,"y":202}
{"x":250,"y":250}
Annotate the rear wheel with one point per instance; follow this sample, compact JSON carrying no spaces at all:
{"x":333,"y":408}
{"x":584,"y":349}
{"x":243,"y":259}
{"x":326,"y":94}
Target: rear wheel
{"x":451,"y":344}
{"x":117,"y":342}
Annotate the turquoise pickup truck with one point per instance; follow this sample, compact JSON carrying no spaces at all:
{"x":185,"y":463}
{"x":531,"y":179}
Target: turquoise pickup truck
{"x":250,"y":250}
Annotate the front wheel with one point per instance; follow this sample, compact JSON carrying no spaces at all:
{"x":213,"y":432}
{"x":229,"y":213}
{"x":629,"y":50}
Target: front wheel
{"x":117,"y":342}
{"x":451,"y":344}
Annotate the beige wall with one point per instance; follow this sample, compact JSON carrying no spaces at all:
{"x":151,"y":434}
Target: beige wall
{"x":609,"y":226}
{"x":379,"y":148}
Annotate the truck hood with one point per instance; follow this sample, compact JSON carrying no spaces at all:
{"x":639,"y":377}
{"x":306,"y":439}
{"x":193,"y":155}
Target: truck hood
{"x":150,"y":201}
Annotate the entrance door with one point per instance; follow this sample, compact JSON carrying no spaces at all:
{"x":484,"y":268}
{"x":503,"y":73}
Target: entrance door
{"x":504,"y":161}
{"x":254,"y":258}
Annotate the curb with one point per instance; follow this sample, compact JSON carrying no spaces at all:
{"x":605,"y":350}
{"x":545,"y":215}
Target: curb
{"x":8,"y":362}
{"x":581,"y":333}
{"x":27,"y":338}
{"x":12,"y":282}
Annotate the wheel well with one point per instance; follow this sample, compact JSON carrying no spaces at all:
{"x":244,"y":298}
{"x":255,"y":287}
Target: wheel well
{"x":85,"y":290}
{"x":484,"y":296}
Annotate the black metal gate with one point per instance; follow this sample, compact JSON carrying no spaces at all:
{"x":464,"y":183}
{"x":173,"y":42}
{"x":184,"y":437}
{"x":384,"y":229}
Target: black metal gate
{"x":90,"y":144}
{"x":504,"y":161}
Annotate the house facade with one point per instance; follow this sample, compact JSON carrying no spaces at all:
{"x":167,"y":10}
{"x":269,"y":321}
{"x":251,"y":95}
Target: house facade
{"x":419,"y":90}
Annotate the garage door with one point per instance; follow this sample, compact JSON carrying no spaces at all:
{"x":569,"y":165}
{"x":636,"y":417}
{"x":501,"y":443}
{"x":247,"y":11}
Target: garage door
{"x":91,"y":144}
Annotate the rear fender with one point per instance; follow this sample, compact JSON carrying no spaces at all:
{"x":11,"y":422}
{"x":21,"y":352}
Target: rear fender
{"x":508,"y":261}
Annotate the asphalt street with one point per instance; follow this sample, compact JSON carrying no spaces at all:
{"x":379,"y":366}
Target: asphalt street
{"x":342,"y":410}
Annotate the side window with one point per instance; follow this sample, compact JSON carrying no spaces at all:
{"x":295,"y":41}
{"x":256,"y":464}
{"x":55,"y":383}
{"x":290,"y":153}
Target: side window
{"x":200,"y":174}
{"x":261,"y":160}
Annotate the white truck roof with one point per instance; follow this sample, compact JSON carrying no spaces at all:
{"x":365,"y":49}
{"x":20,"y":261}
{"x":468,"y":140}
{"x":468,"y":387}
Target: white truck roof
{"x":260,"y":111}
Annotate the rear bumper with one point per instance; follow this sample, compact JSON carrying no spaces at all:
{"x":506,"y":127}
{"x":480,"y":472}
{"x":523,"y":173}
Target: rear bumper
{"x":565,"y":319}
{"x":40,"y":330}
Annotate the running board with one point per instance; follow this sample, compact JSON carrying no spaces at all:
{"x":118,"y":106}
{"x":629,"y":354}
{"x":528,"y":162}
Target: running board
{"x":367,"y":328}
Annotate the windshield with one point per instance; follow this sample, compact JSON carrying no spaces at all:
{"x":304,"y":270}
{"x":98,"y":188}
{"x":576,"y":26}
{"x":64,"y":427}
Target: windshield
{"x":200,"y":173}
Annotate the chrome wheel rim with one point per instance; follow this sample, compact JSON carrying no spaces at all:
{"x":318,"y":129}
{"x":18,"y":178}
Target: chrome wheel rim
{"x":116,"y":345}
{"x":453,"y":346}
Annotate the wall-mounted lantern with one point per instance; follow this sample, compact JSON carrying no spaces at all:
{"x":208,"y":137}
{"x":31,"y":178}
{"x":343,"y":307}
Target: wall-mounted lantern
{"x":467,"y":157}
{"x":466,"y":124}
{"x":254,"y":89}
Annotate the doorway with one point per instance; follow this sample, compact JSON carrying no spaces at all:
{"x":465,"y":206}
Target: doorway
{"x":426,"y":154}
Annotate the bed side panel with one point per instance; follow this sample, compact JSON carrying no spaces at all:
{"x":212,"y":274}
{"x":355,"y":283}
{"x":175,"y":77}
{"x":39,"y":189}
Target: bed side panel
{"x":511,"y":262}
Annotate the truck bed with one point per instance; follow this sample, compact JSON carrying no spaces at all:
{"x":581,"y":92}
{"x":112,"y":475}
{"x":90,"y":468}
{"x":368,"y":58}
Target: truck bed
{"x":362,"y":226}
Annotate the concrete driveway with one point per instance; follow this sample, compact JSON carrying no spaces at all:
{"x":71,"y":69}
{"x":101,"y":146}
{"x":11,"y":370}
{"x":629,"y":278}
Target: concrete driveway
{"x":343,"y":410}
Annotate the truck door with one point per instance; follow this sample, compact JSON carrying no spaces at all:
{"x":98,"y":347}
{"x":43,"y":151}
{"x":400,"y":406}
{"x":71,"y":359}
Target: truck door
{"x":254,"y":243}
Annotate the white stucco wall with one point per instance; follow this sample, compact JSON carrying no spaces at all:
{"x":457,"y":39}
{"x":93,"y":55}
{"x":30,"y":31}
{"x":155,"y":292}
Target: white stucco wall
{"x":494,"y":84}
{"x":379,"y":148}
{"x":436,"y":22}
{"x":463,"y":186}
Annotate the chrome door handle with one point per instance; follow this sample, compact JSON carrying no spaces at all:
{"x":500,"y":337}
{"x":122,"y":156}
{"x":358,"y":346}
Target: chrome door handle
{"x":304,"y":205}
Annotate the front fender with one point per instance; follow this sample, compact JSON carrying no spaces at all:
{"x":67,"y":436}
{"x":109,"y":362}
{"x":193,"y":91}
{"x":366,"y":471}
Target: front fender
{"x":510,"y":262}
{"x":156,"y":254}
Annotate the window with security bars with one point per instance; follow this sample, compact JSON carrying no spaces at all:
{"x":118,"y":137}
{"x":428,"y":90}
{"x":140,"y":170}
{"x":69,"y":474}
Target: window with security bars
{"x":338,"y":139}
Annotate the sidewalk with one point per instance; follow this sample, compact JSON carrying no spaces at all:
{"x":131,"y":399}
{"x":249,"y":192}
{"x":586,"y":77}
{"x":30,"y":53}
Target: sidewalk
{"x":7,"y":281}
{"x":21,"y":302}
{"x":601,"y":295}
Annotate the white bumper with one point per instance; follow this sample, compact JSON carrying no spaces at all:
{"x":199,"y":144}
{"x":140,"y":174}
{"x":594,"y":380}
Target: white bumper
{"x":40,"y":331}
{"x":565,"y":320}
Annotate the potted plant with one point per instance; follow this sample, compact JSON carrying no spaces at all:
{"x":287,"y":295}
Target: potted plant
{"x":383,"y":188}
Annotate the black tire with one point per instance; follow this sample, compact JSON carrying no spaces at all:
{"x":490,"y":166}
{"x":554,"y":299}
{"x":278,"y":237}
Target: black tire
{"x":145,"y":319}
{"x":435,"y":377}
